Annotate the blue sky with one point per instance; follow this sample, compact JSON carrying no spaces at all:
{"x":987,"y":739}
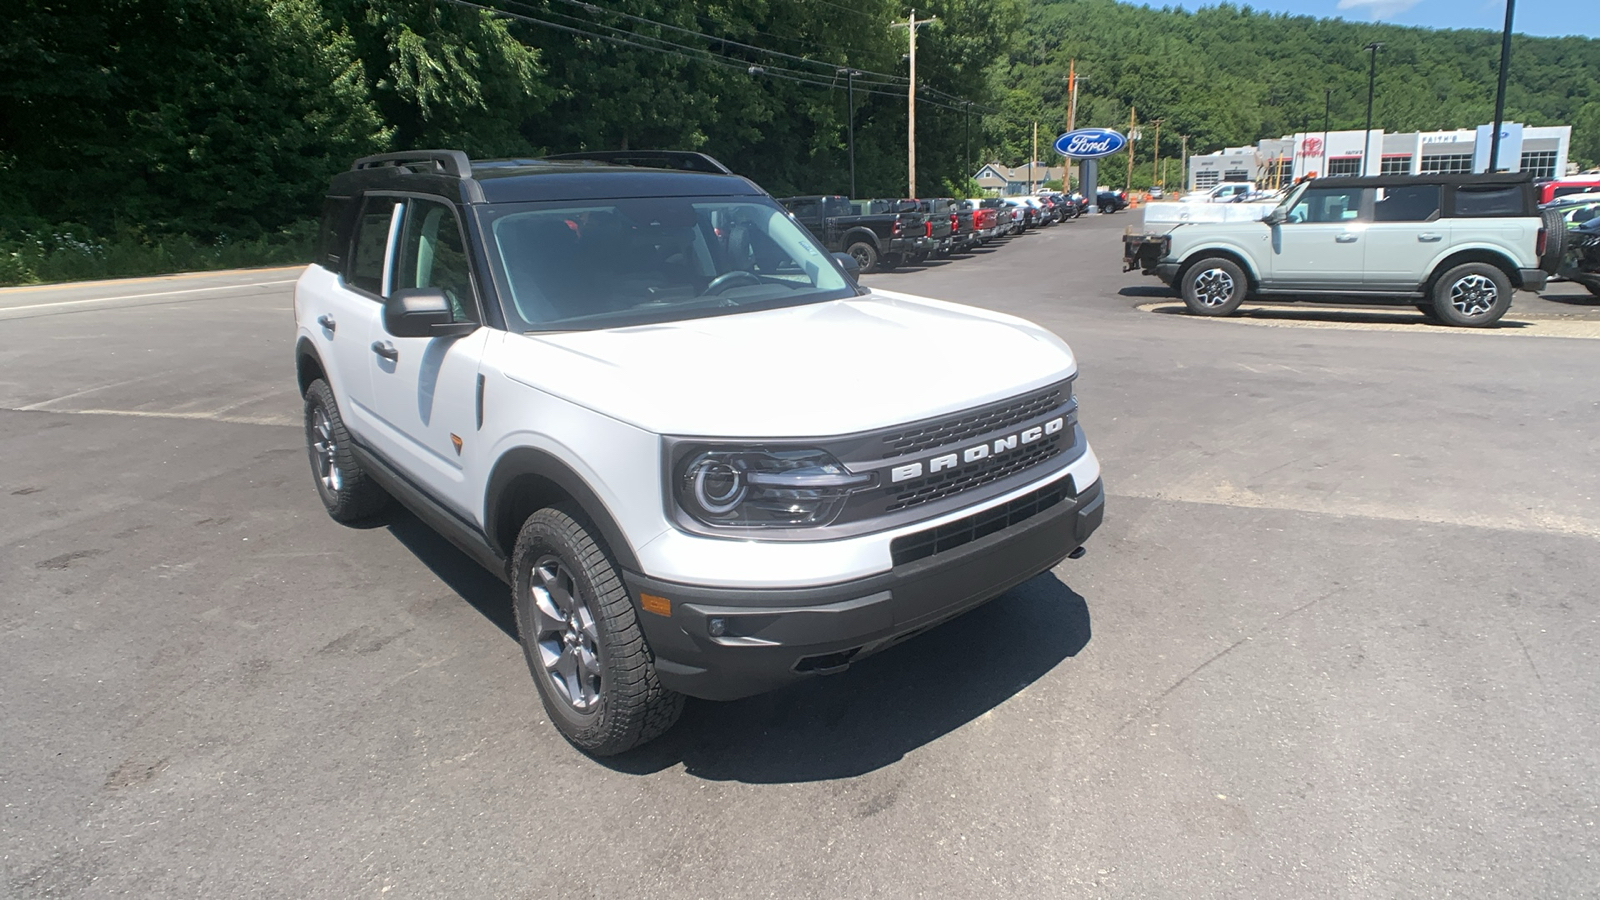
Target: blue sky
{"x":1545,"y":18}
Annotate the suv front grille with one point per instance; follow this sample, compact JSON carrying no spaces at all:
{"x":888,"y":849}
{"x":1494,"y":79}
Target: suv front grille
{"x":937,"y":487}
{"x":923,"y":544}
{"x":971,"y":424}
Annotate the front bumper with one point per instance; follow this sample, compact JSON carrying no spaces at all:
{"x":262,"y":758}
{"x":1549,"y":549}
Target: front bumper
{"x":771,"y":637}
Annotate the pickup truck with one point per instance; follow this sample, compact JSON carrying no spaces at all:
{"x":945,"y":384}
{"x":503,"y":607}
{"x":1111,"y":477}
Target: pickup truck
{"x":985,"y":220}
{"x":944,"y":224}
{"x":877,"y":238}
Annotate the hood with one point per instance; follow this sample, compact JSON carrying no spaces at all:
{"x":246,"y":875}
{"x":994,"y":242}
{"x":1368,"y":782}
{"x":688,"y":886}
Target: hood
{"x":823,"y":369}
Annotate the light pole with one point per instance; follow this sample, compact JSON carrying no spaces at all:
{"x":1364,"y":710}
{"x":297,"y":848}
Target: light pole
{"x":1500,"y":92}
{"x":1366,"y":137}
{"x":1327,"y":106}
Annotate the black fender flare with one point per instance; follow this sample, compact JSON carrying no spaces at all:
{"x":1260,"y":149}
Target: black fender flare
{"x":861,"y":234}
{"x":305,"y":350}
{"x":547,"y":471}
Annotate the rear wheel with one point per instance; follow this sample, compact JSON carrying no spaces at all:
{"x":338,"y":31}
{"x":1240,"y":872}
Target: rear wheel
{"x":581,"y":638}
{"x":865,"y":254}
{"x":348,"y":493}
{"x":1214,"y":287}
{"x":1472,"y":295}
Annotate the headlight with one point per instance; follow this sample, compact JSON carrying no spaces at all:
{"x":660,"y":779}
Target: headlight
{"x":764,"y":488}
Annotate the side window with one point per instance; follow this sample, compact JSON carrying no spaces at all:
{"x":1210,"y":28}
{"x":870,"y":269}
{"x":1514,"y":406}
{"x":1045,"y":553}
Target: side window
{"x":372,"y":241}
{"x":1479,"y":201}
{"x":1327,"y":205}
{"x":431,"y":254}
{"x":804,"y":209}
{"x":1411,"y":203}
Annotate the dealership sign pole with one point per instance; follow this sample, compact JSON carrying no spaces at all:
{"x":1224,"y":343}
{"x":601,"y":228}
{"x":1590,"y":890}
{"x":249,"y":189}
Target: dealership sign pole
{"x":1088,"y":145}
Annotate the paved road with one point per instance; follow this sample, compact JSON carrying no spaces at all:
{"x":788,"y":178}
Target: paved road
{"x":1337,"y":638}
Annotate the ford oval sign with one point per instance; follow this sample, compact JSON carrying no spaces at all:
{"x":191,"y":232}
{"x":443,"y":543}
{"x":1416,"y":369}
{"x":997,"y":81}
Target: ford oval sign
{"x":1090,"y":143}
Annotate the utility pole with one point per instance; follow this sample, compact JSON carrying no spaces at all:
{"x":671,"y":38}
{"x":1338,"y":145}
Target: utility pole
{"x":966,"y":159}
{"x":850,"y":100}
{"x":1500,"y":92}
{"x":1128,"y":186}
{"x":1327,"y":104}
{"x":1034,"y":156}
{"x":1155,"y":166}
{"x":910,"y":25}
{"x":1183,"y":164}
{"x":1072,"y":92}
{"x":1366,"y":137}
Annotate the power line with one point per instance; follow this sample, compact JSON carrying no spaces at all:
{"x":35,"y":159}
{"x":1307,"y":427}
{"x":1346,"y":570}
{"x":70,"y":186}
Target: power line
{"x":706,"y":56}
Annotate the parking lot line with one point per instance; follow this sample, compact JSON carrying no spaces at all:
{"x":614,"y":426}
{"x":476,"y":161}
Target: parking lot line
{"x":153,"y":294}
{"x":216,"y":415}
{"x":181,"y":276}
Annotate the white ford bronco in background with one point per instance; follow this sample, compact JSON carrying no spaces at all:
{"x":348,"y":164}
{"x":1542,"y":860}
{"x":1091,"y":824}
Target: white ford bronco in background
{"x":1455,"y":246}
{"x":707,"y":461}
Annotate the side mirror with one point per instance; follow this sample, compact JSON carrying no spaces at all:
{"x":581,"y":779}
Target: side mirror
{"x":421,"y":312}
{"x":852,"y":266}
{"x":1276,"y":217}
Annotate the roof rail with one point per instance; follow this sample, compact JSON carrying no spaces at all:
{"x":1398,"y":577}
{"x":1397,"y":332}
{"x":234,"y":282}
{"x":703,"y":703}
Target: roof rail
{"x":687,"y":160}
{"x":447,"y":162}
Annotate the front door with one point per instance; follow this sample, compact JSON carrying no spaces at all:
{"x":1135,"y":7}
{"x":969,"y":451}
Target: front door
{"x":1404,"y":237}
{"x":425,"y":390}
{"x":1322,"y":243}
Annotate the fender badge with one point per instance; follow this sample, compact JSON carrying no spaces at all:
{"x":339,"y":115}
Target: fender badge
{"x":456,"y":440}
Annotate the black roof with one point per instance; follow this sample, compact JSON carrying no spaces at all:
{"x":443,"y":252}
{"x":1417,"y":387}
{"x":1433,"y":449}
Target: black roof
{"x":598,"y":176}
{"x":1483,"y":178}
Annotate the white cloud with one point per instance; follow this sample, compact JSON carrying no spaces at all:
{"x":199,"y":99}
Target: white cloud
{"x":1379,"y":9}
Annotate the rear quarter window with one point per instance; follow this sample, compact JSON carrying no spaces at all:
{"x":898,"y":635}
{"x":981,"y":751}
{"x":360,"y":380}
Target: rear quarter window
{"x":1480,"y":201}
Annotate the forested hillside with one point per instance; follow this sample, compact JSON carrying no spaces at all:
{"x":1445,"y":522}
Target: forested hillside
{"x":1226,"y":76}
{"x":180,"y":133}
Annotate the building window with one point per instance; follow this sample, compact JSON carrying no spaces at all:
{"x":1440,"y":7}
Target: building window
{"x":1205,"y":179}
{"x":1344,"y":165}
{"x":1447,"y":164}
{"x":1395,"y":165}
{"x":1280,"y":171}
{"x":1236,"y":175}
{"x":1542,"y":163}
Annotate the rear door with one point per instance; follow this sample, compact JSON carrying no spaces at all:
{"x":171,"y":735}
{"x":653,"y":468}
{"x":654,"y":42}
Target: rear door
{"x":1405,"y":235}
{"x":1321,"y":246}
{"x":425,"y":390}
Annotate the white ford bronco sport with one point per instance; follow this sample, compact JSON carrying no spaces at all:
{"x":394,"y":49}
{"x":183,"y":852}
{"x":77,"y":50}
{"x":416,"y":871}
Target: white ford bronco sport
{"x":707,"y":461}
{"x":1455,"y":246}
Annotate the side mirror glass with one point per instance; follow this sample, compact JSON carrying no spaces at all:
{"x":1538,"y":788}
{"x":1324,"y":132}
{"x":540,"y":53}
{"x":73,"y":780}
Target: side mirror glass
{"x":1275,"y":217}
{"x":420,"y":312}
{"x":852,"y":266}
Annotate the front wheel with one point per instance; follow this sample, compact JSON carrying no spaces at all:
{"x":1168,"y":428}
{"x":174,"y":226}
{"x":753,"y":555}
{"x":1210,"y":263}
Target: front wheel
{"x":1472,"y":295}
{"x":1214,"y":287}
{"x":580,"y":635}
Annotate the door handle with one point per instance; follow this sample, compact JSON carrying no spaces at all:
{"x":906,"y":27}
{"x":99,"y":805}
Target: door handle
{"x":1429,"y":237}
{"x":1346,"y":238}
{"x":385,"y":350}
{"x":326,"y":321}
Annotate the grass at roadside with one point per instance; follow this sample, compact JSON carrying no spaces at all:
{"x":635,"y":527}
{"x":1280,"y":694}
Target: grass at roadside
{"x":62,"y":254}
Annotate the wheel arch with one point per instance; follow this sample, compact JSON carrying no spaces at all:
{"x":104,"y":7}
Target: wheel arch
{"x":527,"y":479}
{"x":1488,"y":255}
{"x":862,"y":235}
{"x":308,"y":365}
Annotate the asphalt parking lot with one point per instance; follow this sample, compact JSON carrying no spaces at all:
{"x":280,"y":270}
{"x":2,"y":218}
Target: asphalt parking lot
{"x":1337,"y":637}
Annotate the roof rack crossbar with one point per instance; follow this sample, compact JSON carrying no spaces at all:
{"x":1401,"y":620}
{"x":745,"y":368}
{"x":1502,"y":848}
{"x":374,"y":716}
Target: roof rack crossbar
{"x":448,"y":162}
{"x":686,"y":160}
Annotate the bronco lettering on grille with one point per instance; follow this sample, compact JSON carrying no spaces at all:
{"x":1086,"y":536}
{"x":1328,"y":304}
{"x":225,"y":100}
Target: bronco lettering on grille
{"x":976,"y":452}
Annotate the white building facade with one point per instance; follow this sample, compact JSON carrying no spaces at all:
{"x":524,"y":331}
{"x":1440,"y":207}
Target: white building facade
{"x":1538,"y":149}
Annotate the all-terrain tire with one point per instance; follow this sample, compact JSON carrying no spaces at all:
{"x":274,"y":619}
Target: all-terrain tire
{"x":348,"y":492}
{"x":1214,"y":286}
{"x":632,"y":707}
{"x":1555,"y":240}
{"x":865,"y":254}
{"x":1472,"y":295}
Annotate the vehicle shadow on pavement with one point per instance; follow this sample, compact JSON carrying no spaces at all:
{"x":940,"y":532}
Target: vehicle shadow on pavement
{"x":1292,"y":313}
{"x":472,"y":582}
{"x":884,"y":707}
{"x":1145,"y":291}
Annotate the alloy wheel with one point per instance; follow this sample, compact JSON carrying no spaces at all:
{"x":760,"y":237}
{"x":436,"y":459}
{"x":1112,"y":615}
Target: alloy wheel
{"x":326,"y":448}
{"x":565,"y":634}
{"x":1473,"y":295}
{"x":1213,"y":287}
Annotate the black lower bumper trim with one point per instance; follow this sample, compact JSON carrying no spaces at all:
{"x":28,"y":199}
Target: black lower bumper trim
{"x":766,"y":638}
{"x":1534,"y":279}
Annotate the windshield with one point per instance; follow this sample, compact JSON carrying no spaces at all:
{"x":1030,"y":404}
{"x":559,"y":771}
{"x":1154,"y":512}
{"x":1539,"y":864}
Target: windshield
{"x":568,"y":266}
{"x":1293,"y":197}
